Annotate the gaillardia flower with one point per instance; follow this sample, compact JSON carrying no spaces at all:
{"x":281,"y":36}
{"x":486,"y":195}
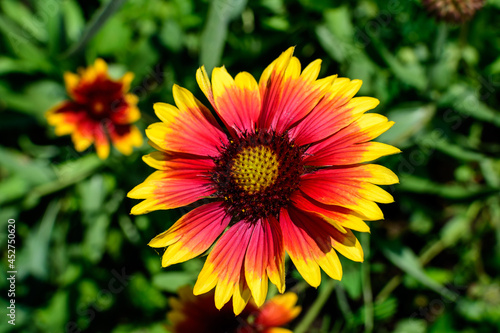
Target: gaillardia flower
{"x":100,"y":109}
{"x":284,"y":173}
{"x":198,"y":314}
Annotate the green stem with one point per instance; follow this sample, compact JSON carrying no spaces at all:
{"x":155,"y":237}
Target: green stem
{"x":438,"y":51}
{"x":314,"y":310}
{"x":442,"y":34}
{"x":344,"y":306}
{"x":83,"y":171}
{"x":388,"y":288}
{"x":431,"y":252}
{"x":96,"y":22}
{"x":367,"y":287}
{"x":424,"y":259}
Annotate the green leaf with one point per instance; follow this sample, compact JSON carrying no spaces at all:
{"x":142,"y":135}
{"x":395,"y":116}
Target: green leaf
{"x":69,"y":173}
{"x":23,"y":45}
{"x":32,"y":24}
{"x":385,"y":309}
{"x":277,"y":23}
{"x":337,"y":33}
{"x":469,"y":102}
{"x":36,"y":99}
{"x":33,"y":171}
{"x":454,"y":150}
{"x":112,"y":37}
{"x":13,"y":188}
{"x":410,"y":183}
{"x":172,"y":281}
{"x":11,"y":65}
{"x":172,"y":35}
{"x":92,"y":194}
{"x":144,"y":295}
{"x":74,"y":21}
{"x":351,"y":280}
{"x":442,"y":276}
{"x":129,"y":229}
{"x":36,"y":253}
{"x":407,"y":261}
{"x":94,"y":242}
{"x":339,"y":22}
{"x":443,"y":323}
{"x":411,"y":326}
{"x":460,"y":226}
{"x":54,"y":317}
{"x":412,"y":74}
{"x":408,"y":119}
{"x":336,"y":48}
{"x":100,"y":17}
{"x":214,"y":35}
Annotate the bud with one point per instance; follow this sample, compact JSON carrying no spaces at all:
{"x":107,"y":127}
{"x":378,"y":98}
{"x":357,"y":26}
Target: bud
{"x":453,"y":11}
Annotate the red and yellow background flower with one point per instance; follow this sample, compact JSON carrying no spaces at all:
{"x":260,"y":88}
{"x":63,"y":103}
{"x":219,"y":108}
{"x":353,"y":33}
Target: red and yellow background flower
{"x":100,"y":109}
{"x":198,"y":314}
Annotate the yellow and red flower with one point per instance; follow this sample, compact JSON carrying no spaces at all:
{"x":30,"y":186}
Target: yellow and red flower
{"x":285,"y":173}
{"x":100,"y":109}
{"x":198,"y":314}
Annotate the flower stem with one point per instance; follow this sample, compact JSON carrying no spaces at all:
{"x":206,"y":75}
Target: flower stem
{"x":324,"y":294}
{"x":367,"y":287}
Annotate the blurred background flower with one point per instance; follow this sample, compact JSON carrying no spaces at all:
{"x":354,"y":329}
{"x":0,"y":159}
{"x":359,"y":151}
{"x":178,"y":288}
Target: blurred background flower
{"x":198,"y":314}
{"x":454,"y":11}
{"x":100,"y":109}
{"x":431,"y":266}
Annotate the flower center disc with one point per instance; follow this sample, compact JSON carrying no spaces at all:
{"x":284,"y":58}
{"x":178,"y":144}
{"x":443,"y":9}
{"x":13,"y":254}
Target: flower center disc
{"x":256,"y":174}
{"x":255,"y":169}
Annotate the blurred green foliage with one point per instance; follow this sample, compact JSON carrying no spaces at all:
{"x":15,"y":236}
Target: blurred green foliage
{"x":82,"y":260}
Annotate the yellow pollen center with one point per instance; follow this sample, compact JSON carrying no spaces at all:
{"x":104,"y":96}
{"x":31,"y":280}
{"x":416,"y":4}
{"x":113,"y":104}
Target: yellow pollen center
{"x":255,"y":168}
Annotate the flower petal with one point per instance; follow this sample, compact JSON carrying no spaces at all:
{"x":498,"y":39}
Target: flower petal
{"x":66,"y":117}
{"x":350,"y":144}
{"x":330,"y":187}
{"x":287,"y":94}
{"x":277,"y":330}
{"x":71,"y":80}
{"x":264,"y":253}
{"x":271,"y":86}
{"x":237,"y":100}
{"x":188,"y":129}
{"x":299,"y":246}
{"x":276,"y":264}
{"x":300,"y":94}
{"x":308,"y":241}
{"x":101,"y":141}
{"x":339,"y":217}
{"x":223,"y":266}
{"x":164,"y":191}
{"x":278,"y":311}
{"x":241,"y":295}
{"x":179,"y":165}
{"x":125,"y":137}
{"x":124,"y":111}
{"x":372,"y":173}
{"x":326,"y":236}
{"x":335,"y":111}
{"x":204,"y":83}
{"x":192,"y":234}
{"x":256,"y":260}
